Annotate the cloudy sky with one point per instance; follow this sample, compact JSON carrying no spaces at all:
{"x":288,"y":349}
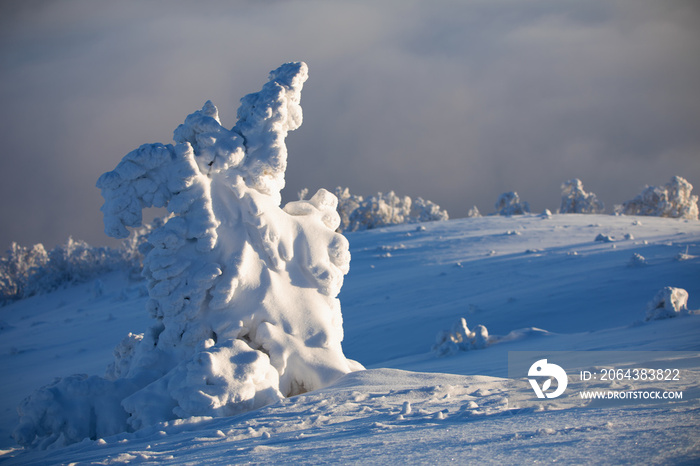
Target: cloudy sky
{"x":454,"y":101}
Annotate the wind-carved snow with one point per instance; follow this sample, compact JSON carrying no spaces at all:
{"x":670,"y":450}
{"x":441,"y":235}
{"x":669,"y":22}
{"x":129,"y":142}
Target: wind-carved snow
{"x":243,"y":292}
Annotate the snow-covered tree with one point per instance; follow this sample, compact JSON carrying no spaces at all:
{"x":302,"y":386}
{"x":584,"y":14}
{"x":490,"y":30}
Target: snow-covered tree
{"x":381,"y":210}
{"x":26,"y":272}
{"x":509,"y":204}
{"x":16,"y":268}
{"x":243,"y":292}
{"x":473,"y":212}
{"x":671,"y":200}
{"x":427,"y":211}
{"x":575,"y":200}
{"x":347,"y":204}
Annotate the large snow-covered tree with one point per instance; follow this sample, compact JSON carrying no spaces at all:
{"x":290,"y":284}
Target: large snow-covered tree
{"x":243,"y":292}
{"x":674,"y":199}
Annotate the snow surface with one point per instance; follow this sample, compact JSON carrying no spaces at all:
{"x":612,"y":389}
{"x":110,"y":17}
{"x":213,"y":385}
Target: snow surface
{"x":537,"y":283}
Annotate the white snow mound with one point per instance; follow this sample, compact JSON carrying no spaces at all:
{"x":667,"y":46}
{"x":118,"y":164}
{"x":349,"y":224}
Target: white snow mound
{"x":668,"y":302}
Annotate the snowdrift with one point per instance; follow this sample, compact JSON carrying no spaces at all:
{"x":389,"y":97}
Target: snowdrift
{"x":243,"y":292}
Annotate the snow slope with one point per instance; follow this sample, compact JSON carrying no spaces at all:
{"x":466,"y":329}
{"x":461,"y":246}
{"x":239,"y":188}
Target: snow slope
{"x":541,"y":283}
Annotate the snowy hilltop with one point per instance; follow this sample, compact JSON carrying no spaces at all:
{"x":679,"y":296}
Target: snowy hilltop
{"x":538,"y":284}
{"x":243,"y":293}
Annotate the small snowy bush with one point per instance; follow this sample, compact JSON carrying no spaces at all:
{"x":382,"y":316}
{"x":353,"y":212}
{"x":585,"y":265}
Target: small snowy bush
{"x":668,"y":302}
{"x":671,"y":200}
{"x":357,"y":213}
{"x":460,"y":338}
{"x":243,"y":292}
{"x":473,"y":212}
{"x":575,"y":200}
{"x":601,"y":238}
{"x":509,"y":204}
{"x":347,"y":204}
{"x":637,"y":260}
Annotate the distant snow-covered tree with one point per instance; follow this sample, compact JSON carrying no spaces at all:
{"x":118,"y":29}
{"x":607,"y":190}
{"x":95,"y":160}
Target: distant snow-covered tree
{"x":242,"y":292}
{"x":358,"y":213}
{"x":380,"y":210}
{"x":347,"y":204}
{"x":16,"y":269}
{"x":26,"y":272}
{"x":473,"y":212}
{"x":509,"y":204}
{"x":427,"y":211}
{"x":575,"y":200}
{"x":671,"y":200}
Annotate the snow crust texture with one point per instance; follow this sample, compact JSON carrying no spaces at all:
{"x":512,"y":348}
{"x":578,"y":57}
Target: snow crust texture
{"x":243,"y":292}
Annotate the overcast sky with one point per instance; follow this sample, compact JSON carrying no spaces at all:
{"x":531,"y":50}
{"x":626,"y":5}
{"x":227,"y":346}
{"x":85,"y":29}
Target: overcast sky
{"x":454,"y":101}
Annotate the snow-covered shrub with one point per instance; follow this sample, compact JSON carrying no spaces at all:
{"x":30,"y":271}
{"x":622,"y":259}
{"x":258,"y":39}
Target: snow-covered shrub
{"x":426,"y":211}
{"x":357,"y":213}
{"x":509,"y":204}
{"x":575,"y":200}
{"x":380,"y":210}
{"x":671,"y":200}
{"x":28,"y":272}
{"x":637,"y":260}
{"x":123,"y":355}
{"x":71,"y":409}
{"x":668,"y":302}
{"x":460,"y":338}
{"x":17,"y":267}
{"x":601,"y":238}
{"x":473,"y":212}
{"x":243,"y":293}
{"x":347,"y":204}
{"x":684,"y":256}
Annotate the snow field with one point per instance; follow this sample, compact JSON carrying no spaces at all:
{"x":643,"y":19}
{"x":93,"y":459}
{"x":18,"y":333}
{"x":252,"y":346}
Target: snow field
{"x":552,"y":276}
